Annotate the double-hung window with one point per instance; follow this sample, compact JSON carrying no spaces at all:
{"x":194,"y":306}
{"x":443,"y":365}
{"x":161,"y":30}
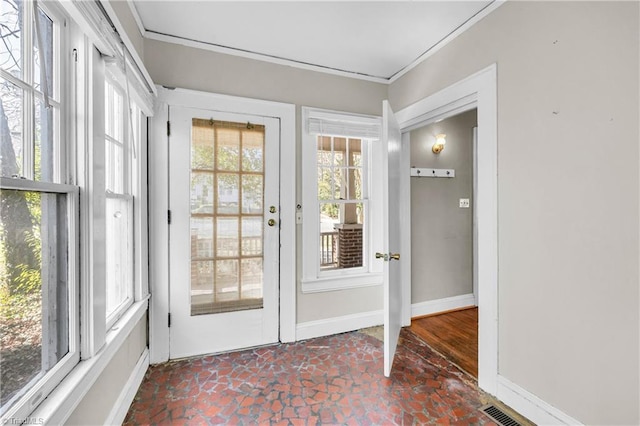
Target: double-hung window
{"x":39,"y":330}
{"x":341,"y":206}
{"x":119,"y":215}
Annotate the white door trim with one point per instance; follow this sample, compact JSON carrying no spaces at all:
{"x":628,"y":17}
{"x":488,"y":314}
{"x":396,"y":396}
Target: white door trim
{"x":159,"y":202}
{"x":476,"y":91}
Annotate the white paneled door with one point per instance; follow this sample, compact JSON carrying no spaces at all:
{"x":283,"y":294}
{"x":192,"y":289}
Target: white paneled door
{"x":224,"y":231}
{"x":391,"y":159}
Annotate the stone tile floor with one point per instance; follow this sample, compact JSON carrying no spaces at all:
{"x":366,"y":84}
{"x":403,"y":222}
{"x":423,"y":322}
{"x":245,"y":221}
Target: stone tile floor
{"x":329,"y":380}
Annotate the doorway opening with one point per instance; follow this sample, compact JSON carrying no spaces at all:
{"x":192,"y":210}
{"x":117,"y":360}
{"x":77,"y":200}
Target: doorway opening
{"x":443,"y":226}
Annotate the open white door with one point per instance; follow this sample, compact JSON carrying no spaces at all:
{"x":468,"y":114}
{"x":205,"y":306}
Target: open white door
{"x":391,"y":139}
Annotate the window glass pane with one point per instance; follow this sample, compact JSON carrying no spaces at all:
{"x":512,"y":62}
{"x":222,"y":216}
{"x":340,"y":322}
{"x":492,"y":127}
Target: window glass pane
{"x":228,"y":196}
{"x":355,"y":152}
{"x":11,"y":129}
{"x":228,"y":148}
{"x":46,"y":27}
{"x":201,"y":237}
{"x":34,"y":311}
{"x":252,"y":194}
{"x":339,"y":187}
{"x":202,"y":145}
{"x":201,"y":192}
{"x":119,"y":252}
{"x":108,"y":109}
{"x":329,"y":218}
{"x":354,"y":184}
{"x":339,"y":151}
{"x":114,"y":167}
{"x":341,"y":235}
{"x":325,"y":184}
{"x":11,"y":12}
{"x":44,"y":142}
{"x":252,"y":151}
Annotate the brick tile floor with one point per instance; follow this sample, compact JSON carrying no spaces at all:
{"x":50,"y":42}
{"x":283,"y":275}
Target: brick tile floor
{"x":329,"y":380}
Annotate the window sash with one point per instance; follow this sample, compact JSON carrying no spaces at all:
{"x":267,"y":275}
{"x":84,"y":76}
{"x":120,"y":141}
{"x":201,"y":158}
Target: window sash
{"x":25,"y":401}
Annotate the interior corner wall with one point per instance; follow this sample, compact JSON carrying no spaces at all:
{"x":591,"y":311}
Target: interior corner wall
{"x":568,"y":195}
{"x":441,"y":231}
{"x":204,"y":70}
{"x":98,"y":403}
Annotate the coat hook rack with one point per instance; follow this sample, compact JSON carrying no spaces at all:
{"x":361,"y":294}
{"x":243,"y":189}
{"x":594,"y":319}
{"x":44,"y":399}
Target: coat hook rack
{"x":438,"y":173}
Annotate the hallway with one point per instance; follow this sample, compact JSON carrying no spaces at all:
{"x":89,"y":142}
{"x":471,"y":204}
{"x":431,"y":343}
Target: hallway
{"x":330,"y":380}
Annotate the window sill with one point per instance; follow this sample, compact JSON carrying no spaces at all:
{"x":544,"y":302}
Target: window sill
{"x":61,"y":403}
{"x":316,"y":285}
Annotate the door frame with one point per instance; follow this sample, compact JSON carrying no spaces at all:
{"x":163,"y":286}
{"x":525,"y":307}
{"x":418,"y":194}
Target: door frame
{"x":159,"y":201}
{"x":476,"y":91}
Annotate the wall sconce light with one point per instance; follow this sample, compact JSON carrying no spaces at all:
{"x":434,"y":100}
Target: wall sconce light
{"x":441,"y":140}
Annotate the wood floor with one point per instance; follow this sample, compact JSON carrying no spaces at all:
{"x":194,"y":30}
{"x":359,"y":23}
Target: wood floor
{"x":454,"y":335}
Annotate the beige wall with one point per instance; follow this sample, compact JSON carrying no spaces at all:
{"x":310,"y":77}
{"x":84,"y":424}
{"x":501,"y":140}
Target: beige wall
{"x":441,"y":231}
{"x":568,"y":195}
{"x":97,"y":404}
{"x":196,"y":69}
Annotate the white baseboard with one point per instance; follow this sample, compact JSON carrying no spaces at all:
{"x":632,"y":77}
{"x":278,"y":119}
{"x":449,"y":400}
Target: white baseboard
{"x":442,"y":305}
{"x":530,"y":406}
{"x":335,"y":325}
{"x":128,"y":393}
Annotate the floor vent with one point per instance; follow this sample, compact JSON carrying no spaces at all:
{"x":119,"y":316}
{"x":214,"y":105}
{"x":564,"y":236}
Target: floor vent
{"x":499,"y":416}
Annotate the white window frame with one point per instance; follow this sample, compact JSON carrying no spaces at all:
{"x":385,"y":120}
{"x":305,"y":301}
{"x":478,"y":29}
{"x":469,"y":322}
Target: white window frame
{"x":44,"y":384}
{"x":334,"y":123}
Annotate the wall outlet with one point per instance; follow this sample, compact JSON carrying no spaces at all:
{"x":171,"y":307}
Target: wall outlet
{"x":464,"y":203}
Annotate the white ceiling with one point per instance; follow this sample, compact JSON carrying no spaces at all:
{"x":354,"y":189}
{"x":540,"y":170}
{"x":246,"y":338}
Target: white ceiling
{"x":367,"y":39}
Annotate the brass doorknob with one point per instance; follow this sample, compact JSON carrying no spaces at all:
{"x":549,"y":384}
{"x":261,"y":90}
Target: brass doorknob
{"x":395,"y":256}
{"x":271,"y":222}
{"x":382,"y":256}
{"x":272,"y":209}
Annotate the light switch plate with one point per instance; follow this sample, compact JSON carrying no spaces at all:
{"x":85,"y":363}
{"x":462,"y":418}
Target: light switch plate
{"x":464,"y":203}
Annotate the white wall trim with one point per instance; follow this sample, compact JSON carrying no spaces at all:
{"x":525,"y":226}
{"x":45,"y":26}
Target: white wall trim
{"x":128,"y":393}
{"x":442,"y":305}
{"x":448,"y":39}
{"x":476,"y":91}
{"x":530,"y":406}
{"x":335,"y":325}
{"x":61,"y":403}
{"x":136,"y":17}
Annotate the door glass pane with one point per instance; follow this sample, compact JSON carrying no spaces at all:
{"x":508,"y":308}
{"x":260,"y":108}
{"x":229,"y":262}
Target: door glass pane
{"x":252,"y":236}
{"x":252,"y":194}
{"x":226,"y":241}
{"x":201,"y":193}
{"x":227,"y":237}
{"x":202,"y":146}
{"x":201,"y":237}
{"x":34,"y":311}
{"x":252,"y":151}
{"x":228,"y":193}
